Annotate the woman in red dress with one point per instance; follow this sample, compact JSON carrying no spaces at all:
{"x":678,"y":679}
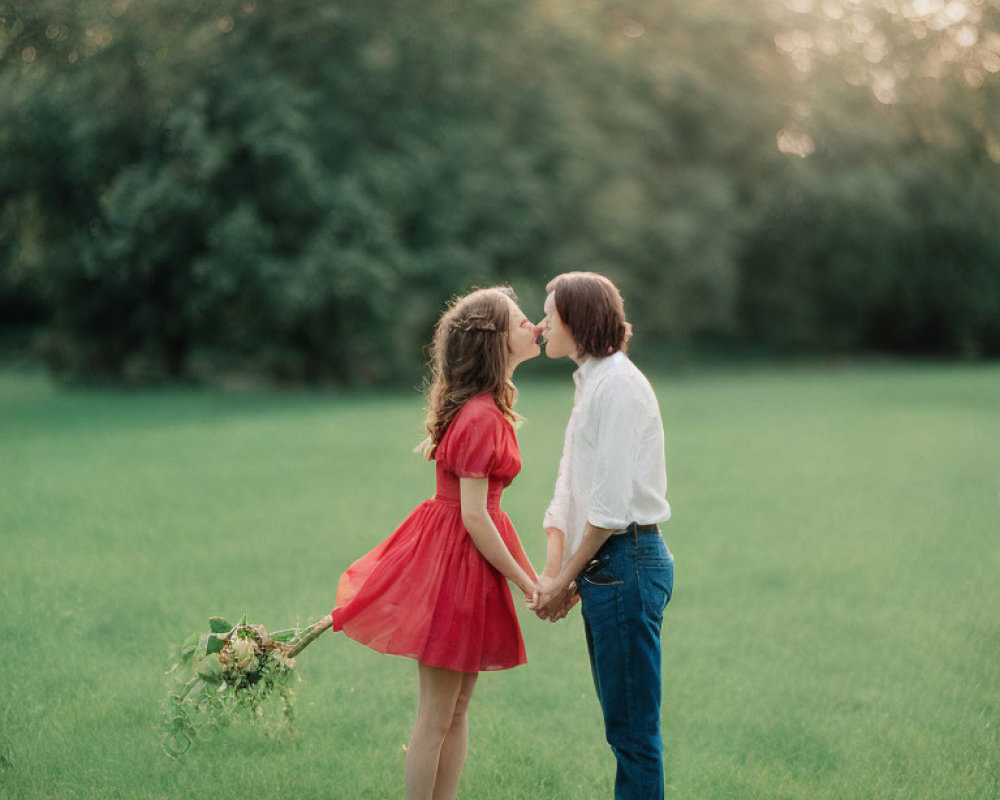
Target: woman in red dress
{"x":436,"y":589}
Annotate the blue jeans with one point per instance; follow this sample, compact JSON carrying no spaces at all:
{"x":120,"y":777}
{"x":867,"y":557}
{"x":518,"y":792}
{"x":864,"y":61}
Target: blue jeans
{"x":623,"y":593}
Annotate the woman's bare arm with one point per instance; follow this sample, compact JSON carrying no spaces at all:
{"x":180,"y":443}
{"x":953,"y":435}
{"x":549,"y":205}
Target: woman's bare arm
{"x":485,"y":535}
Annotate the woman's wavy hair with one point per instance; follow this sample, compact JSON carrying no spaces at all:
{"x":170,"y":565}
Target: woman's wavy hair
{"x":469,"y":356}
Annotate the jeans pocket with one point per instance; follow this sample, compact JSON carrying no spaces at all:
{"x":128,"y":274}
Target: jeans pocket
{"x":599,"y":602}
{"x":601,"y":579}
{"x":599,"y":573}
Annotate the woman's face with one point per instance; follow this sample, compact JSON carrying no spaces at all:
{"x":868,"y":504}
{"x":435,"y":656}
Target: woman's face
{"x":559,"y":341}
{"x":521,"y":336}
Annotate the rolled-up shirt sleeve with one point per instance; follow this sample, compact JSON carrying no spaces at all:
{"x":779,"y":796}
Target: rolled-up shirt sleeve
{"x":621,"y":418}
{"x":557,"y":514}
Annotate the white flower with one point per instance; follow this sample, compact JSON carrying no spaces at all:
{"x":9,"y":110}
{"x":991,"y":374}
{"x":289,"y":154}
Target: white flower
{"x":243,"y":652}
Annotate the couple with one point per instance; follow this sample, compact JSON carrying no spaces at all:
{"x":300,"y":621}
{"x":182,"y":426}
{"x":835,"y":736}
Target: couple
{"x":436,"y":589}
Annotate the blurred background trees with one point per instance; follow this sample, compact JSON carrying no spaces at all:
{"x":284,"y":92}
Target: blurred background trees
{"x":293,"y":189}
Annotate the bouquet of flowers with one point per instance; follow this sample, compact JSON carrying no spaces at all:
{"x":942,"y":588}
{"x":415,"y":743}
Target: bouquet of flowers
{"x":231,"y":670}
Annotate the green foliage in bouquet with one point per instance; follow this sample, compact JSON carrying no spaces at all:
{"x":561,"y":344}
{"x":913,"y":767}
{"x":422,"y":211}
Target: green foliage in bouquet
{"x":228,"y":671}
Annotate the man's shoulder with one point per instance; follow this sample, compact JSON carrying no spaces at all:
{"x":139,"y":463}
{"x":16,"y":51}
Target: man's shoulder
{"x":622,"y":376}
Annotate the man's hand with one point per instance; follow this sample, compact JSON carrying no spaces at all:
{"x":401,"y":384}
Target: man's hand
{"x":571,"y":598}
{"x":553,"y":600}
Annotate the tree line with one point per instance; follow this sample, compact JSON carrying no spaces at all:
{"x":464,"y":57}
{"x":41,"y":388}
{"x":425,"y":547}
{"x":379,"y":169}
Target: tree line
{"x":293,"y":189}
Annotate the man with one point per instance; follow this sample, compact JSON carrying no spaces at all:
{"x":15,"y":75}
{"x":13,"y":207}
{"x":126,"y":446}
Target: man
{"x":602,"y":523}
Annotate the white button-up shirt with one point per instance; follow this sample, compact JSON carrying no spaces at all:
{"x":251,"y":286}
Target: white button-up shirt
{"x":612,"y":471}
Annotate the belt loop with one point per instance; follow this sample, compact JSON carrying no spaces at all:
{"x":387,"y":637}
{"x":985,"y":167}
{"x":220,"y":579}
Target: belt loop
{"x":633,"y":528}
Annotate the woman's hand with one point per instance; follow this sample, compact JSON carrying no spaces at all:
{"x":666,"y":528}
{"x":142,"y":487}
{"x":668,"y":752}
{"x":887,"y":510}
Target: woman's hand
{"x":529,"y":589}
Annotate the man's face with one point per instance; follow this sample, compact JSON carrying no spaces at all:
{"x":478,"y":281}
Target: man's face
{"x":559,"y":341}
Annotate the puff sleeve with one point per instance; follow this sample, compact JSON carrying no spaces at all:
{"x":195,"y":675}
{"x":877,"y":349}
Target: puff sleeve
{"x":473,"y":444}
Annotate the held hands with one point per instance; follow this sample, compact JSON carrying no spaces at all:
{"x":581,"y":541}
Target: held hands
{"x":552,"y":600}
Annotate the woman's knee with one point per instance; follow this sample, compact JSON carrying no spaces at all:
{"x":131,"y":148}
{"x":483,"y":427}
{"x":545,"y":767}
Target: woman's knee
{"x":436,"y":726}
{"x":440,"y":710}
{"x":437,"y":721}
{"x":464,"y":698}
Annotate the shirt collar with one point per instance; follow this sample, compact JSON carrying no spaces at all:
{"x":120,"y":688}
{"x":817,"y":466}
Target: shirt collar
{"x":594,"y":366}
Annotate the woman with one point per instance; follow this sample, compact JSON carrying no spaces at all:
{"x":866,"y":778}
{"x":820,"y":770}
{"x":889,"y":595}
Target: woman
{"x":436,"y":589}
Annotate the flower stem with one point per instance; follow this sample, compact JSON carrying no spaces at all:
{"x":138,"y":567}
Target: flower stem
{"x":313,"y":632}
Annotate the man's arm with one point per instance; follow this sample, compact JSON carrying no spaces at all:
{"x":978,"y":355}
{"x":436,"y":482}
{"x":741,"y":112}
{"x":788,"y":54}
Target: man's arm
{"x":620,"y":419}
{"x":555,"y":521}
{"x":556,"y":515}
{"x":554,"y":550}
{"x":551,"y":597}
{"x":555,"y":543}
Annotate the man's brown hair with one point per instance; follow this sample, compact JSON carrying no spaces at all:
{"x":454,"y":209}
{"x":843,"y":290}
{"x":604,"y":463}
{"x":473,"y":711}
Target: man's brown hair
{"x":591,"y":307}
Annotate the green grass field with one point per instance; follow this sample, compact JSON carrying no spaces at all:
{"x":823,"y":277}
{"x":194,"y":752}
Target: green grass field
{"x":834,"y":632}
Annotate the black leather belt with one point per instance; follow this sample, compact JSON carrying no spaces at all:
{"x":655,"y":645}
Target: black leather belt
{"x":635,"y":528}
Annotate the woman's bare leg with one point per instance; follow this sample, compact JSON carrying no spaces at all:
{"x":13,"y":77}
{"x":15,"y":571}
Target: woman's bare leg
{"x":439,"y":692}
{"x":455,"y":743}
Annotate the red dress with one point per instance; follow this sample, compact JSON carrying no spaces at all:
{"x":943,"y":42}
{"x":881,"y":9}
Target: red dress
{"x":426,"y":592}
